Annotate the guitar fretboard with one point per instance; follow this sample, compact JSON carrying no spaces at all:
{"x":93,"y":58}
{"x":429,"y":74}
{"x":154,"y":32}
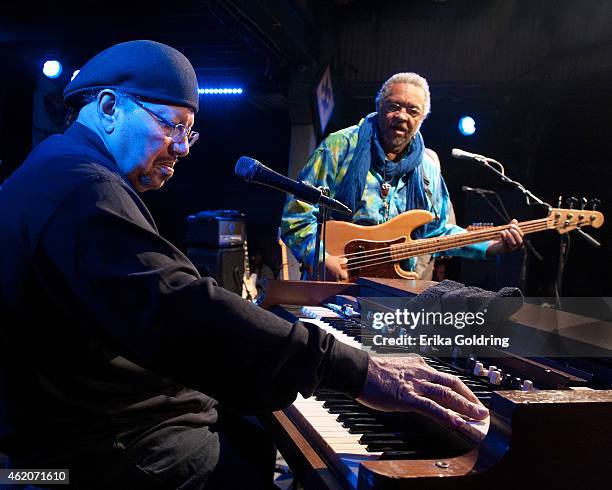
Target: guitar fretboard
{"x":431,"y":245}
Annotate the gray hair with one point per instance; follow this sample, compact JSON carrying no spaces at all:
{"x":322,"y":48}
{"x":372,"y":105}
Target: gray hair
{"x":406,"y":77}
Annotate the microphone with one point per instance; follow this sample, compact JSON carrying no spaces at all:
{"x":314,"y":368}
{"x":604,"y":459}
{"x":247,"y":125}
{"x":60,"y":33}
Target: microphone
{"x":466,"y":155}
{"x":251,"y":170}
{"x":477,"y":190}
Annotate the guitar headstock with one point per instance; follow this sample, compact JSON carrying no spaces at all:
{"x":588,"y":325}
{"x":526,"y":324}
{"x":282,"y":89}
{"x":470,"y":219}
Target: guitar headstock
{"x":565,"y":220}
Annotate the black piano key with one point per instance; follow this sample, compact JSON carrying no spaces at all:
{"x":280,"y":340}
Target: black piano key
{"x":353,"y":415}
{"x":347,"y":424}
{"x":341,"y":403}
{"x":335,"y":397}
{"x":339,"y":410}
{"x":392,"y":445}
{"x":366,"y":438}
{"x":366,"y":428}
{"x":360,"y":418}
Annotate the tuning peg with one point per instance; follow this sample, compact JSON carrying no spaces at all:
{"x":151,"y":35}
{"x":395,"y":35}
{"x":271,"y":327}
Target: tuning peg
{"x":560,"y":201}
{"x":594,"y":203}
{"x":571,"y":202}
{"x":583,"y":203}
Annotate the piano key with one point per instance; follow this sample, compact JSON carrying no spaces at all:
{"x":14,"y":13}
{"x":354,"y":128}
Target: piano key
{"x":364,"y":418}
{"x":365,"y":428}
{"x":339,"y":410}
{"x":365,"y":438}
{"x":330,"y":395}
{"x":341,"y":404}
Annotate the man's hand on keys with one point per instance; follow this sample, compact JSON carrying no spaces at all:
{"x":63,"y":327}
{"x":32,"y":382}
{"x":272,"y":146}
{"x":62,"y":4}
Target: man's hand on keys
{"x":408,"y":383}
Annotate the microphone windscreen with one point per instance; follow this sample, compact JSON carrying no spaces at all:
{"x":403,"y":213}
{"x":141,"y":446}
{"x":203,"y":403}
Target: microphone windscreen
{"x":246,"y":168}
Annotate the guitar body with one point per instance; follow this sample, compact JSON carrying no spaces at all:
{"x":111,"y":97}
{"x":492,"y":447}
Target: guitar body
{"x":348,"y":238}
{"x":387,"y":269}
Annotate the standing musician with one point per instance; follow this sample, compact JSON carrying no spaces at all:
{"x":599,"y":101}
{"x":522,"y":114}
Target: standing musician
{"x":380,"y":168}
{"x":117,"y":360}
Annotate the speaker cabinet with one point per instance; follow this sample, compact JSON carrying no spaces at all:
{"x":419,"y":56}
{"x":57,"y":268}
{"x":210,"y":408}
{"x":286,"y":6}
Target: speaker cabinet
{"x":225,"y":265}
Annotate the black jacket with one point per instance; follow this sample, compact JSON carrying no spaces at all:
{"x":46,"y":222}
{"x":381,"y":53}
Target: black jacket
{"x":108,"y":329}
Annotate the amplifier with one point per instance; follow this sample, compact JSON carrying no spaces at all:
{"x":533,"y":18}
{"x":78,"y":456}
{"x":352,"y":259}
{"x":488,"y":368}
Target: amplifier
{"x":225,"y":265}
{"x":216,"y":229}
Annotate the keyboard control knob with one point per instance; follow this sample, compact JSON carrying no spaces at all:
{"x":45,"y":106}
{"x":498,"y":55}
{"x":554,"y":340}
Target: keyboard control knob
{"x":495,"y":377}
{"x":527,"y":385}
{"x":348,"y":310}
{"x":479,"y":369}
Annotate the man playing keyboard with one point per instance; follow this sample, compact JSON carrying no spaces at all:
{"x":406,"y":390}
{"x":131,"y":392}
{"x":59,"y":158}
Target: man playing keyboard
{"x":141,"y":377}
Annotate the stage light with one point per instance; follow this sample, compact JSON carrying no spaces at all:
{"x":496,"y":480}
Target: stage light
{"x":220,"y":91}
{"x":52,"y":68}
{"x":467,"y":126}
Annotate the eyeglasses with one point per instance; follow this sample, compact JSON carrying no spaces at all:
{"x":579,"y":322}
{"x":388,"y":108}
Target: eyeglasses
{"x":395,"y":107}
{"x":179,"y":131}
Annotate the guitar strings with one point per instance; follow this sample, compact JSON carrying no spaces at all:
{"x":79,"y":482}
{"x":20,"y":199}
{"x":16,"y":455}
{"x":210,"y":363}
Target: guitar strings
{"x":384,"y":255}
{"x":418,"y":244}
{"x":472,"y":235}
{"x":388,"y":258}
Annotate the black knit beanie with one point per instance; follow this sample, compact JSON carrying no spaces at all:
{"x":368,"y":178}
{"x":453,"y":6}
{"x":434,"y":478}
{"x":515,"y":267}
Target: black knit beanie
{"x":143,"y":68}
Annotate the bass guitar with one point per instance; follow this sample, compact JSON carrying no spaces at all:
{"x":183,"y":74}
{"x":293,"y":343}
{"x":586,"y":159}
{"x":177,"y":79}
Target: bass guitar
{"x":376,"y":251}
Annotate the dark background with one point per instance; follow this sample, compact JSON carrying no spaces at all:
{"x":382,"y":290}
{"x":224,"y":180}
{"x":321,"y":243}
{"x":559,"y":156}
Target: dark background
{"x":536,"y":76}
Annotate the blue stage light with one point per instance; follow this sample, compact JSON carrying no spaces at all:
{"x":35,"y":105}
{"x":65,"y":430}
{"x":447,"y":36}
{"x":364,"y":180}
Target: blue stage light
{"x":467,"y":126}
{"x":220,"y":91}
{"x":52,"y":68}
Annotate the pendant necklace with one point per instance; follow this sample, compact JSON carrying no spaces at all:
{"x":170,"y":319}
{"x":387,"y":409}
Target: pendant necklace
{"x":384,"y":193}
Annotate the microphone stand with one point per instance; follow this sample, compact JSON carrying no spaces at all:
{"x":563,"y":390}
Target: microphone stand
{"x":532,"y":199}
{"x":564,"y":248}
{"x":502,"y":212}
{"x":321,"y":229}
{"x":529,"y":196}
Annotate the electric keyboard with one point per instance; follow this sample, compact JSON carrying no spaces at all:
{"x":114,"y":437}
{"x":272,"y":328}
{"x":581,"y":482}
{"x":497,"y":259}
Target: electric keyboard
{"x":336,"y":442}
